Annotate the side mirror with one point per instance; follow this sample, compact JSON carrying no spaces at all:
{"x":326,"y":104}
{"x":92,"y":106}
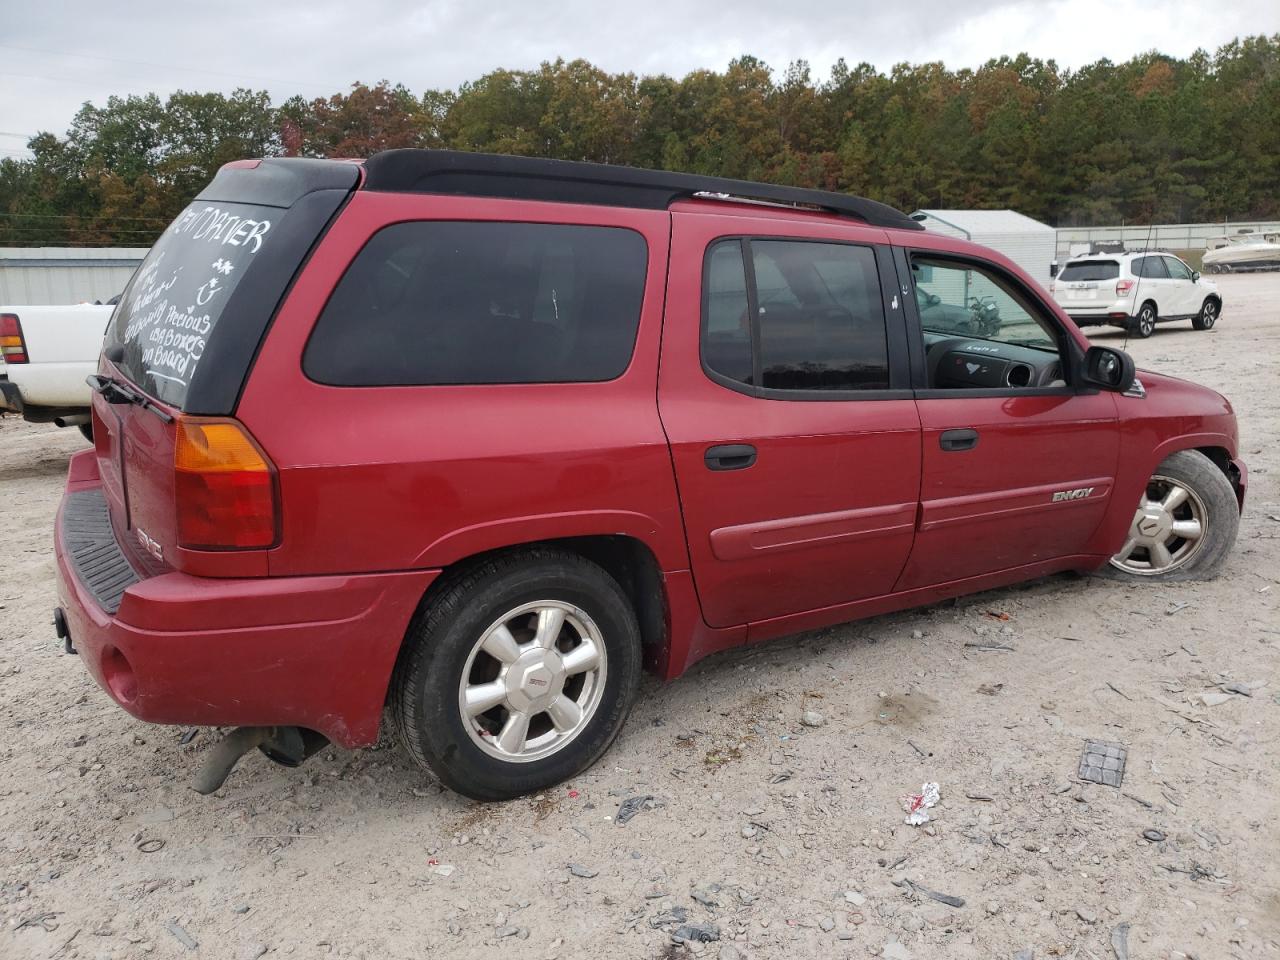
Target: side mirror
{"x":1195,"y":276}
{"x":1108,"y":369}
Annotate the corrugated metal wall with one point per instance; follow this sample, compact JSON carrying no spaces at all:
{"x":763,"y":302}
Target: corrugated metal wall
{"x":36,"y":276}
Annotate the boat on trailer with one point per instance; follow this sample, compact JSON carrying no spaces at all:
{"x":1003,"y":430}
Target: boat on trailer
{"x":1242,"y":252}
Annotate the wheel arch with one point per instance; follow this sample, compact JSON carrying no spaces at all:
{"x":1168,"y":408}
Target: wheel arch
{"x":628,"y":559}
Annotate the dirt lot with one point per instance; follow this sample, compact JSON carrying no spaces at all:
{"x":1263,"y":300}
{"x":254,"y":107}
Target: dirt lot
{"x":787,"y":837}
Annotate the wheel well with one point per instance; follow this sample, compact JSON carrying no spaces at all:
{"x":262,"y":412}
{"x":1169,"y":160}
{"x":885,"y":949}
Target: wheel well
{"x":626,"y":559}
{"x":1155,"y":307}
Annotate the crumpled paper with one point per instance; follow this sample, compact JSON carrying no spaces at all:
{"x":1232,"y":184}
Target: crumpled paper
{"x":917,"y":804}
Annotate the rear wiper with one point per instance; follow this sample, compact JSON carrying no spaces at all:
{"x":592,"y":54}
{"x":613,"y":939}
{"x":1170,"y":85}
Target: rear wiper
{"x":117,"y":391}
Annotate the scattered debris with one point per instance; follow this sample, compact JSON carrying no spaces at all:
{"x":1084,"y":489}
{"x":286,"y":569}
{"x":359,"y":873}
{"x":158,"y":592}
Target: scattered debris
{"x":631,"y":807}
{"x":1119,"y":691}
{"x":946,"y":898}
{"x":1120,"y":941}
{"x":669,"y":918}
{"x":990,"y":689}
{"x":45,"y":921}
{"x":812,"y":718}
{"x":578,"y":870}
{"x":1176,"y":606}
{"x":998,"y":615}
{"x":917,"y":804}
{"x":697,"y":932}
{"x":922,"y":753}
{"x":181,"y":935}
{"x":979,"y":796}
{"x":1155,"y":836}
{"x":152,"y":845}
{"x":1212,"y":699}
{"x":1103,"y":762}
{"x":1244,"y":689}
{"x":989,"y":646}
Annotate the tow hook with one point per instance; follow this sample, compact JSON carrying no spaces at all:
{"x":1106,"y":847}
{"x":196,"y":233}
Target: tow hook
{"x":63,"y":631}
{"x":287,"y":746}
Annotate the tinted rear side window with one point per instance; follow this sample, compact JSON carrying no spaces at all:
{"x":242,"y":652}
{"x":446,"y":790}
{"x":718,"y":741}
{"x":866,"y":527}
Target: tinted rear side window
{"x":1091,"y":270}
{"x":821,"y":324}
{"x":438,"y":302}
{"x":171,"y":306}
{"x":1150,"y":267}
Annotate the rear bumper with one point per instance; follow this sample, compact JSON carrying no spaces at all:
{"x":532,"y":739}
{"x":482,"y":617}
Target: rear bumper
{"x":10,"y":398}
{"x":1115,"y":316}
{"x":314,"y":652}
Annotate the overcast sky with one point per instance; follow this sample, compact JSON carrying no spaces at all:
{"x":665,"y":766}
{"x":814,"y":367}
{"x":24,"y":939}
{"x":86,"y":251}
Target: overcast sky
{"x":56,"y":54}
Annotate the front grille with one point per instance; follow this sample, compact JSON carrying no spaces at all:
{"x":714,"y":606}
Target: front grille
{"x":95,"y":555}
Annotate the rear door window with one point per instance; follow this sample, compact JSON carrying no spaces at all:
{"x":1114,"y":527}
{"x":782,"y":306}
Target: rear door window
{"x":172,"y":305}
{"x":442,"y":302}
{"x":819,"y":321}
{"x":1150,"y":268}
{"x":1090,"y":270}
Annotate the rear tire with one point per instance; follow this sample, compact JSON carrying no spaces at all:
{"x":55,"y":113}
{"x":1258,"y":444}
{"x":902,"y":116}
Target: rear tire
{"x":1183,"y":526}
{"x":1208,"y":315}
{"x":1144,"y":324}
{"x":86,"y":430}
{"x":518,"y":676}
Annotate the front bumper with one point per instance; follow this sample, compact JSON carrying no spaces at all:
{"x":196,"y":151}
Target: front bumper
{"x":312,"y":652}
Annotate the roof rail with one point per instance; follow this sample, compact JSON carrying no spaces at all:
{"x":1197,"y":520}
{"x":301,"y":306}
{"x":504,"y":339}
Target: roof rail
{"x":571,"y":181}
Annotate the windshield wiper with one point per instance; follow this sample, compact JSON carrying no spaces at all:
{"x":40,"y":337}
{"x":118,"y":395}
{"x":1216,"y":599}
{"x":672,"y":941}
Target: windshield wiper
{"x":117,"y":391}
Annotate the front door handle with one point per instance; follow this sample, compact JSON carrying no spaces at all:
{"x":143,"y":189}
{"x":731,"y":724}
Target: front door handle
{"x":730,"y":456}
{"x":958,"y":439}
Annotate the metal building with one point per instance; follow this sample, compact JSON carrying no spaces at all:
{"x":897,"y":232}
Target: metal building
{"x":36,"y":276}
{"x":1029,"y":243}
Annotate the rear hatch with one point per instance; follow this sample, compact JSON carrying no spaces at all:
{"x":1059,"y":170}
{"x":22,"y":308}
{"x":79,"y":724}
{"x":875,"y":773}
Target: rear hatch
{"x":182,"y":339}
{"x":1087,"y":284}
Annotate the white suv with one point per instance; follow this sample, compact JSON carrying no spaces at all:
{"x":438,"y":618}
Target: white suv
{"x":1135,"y":291}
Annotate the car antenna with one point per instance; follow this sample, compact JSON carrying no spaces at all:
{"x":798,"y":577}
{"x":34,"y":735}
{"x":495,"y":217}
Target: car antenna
{"x":1137,"y":287}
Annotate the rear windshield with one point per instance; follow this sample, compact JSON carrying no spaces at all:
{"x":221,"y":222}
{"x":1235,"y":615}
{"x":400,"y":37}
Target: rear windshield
{"x":1091,"y":270}
{"x":170,"y":308}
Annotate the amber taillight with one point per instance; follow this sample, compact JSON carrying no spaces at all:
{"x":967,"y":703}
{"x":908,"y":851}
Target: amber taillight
{"x":224,"y":485}
{"x":13,"y":349}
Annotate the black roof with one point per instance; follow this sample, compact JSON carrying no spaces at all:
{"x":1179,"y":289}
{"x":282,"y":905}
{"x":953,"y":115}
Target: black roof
{"x":569,"y":181}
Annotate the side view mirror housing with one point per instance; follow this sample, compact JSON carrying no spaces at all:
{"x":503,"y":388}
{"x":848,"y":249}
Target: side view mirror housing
{"x":1108,"y":369}
{"x":1195,"y":276}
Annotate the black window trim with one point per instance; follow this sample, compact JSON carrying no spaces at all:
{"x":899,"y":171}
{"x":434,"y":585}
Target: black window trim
{"x":896,"y":345}
{"x":631,"y":358}
{"x":1069,"y":351}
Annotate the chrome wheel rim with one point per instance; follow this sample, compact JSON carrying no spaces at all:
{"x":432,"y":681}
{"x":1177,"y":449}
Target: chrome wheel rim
{"x":533,"y":681}
{"x":1209,"y":314}
{"x":1168,"y":528}
{"x":1146,"y":322}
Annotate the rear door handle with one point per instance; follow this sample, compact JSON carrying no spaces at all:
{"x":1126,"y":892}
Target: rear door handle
{"x":958,"y":439}
{"x":730,"y":456}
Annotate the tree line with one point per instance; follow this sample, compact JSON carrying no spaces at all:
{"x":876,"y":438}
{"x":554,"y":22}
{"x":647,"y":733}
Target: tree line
{"x":1154,"y":139}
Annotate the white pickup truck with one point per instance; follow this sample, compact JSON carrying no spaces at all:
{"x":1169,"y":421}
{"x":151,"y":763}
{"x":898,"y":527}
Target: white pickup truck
{"x":45,"y":355}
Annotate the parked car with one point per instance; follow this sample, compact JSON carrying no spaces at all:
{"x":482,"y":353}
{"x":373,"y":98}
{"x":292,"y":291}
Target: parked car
{"x":396,"y":435}
{"x":45,"y":354}
{"x":1135,"y":291}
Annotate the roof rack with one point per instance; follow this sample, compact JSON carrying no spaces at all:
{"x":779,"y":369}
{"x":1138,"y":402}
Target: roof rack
{"x":570,"y":181}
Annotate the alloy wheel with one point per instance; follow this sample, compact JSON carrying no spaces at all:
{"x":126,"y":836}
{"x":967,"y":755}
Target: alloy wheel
{"x":1208,"y":314}
{"x":1167,"y":530}
{"x":533,"y":681}
{"x":1146,"y":322}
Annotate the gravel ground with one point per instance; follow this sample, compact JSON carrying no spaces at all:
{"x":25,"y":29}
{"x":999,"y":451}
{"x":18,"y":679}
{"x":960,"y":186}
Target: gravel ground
{"x":781,"y":838}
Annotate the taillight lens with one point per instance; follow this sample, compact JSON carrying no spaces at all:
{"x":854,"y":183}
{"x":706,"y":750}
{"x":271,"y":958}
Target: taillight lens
{"x":224,"y":485}
{"x":1123,"y":288}
{"x":13,"y":349}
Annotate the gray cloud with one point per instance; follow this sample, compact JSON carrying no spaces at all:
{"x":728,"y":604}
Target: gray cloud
{"x":56,"y":55}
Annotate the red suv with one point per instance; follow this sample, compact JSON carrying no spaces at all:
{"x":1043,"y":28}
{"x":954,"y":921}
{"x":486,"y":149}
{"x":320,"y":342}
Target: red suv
{"x":472,"y":440}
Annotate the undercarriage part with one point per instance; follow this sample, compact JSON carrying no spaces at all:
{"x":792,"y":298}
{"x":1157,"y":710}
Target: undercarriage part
{"x":287,"y":746}
{"x":292,"y":745}
{"x":221,"y":760}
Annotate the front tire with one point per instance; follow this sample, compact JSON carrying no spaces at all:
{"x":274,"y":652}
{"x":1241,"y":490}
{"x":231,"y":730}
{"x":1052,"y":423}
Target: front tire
{"x":1184,"y":525}
{"x":1144,"y":324}
{"x":1208,"y":315}
{"x":519,"y":675}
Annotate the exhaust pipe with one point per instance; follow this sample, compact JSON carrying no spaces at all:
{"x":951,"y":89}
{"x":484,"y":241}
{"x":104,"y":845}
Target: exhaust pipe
{"x":73,"y":420}
{"x":287,"y":746}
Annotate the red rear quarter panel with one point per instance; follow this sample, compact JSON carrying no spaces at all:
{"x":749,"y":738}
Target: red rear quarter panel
{"x":397,"y":478}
